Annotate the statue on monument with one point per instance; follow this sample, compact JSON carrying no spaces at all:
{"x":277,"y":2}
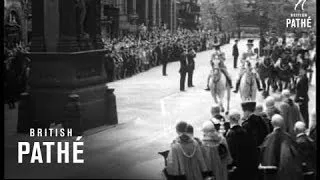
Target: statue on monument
{"x":82,"y":5}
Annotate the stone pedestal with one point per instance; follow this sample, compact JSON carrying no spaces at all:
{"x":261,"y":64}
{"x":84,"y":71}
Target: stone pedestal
{"x":65,"y":63}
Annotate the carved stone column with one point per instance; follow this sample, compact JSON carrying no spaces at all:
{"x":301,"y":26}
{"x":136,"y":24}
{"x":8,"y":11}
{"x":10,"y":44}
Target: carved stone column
{"x":159,"y":12}
{"x":174,"y":15}
{"x":38,"y":44}
{"x":52,"y":24}
{"x":146,"y":12}
{"x":125,"y":6}
{"x":98,"y":41}
{"x":134,"y":6}
{"x":154,"y":11}
{"x":68,"y":22}
{"x":171,"y":14}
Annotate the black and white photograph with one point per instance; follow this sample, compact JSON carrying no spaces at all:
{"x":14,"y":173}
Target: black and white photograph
{"x":160,"y":89}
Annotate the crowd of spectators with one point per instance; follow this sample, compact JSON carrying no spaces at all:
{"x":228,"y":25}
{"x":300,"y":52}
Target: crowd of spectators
{"x":134,"y":53}
{"x":126,"y":55}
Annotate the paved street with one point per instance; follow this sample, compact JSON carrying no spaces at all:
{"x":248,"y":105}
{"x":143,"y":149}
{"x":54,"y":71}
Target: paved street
{"x":149,"y":105}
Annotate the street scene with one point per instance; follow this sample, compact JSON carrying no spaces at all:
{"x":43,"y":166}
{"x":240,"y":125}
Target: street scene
{"x":157,"y":97}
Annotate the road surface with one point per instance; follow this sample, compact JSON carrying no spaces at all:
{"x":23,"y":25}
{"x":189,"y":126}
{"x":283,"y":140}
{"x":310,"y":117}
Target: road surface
{"x":149,"y":105}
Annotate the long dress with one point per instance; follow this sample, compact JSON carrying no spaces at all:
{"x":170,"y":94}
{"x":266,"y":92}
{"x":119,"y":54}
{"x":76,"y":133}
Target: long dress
{"x":186,"y":158}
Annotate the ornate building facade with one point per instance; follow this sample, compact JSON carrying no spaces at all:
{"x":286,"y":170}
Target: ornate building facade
{"x":189,"y":14}
{"x":17,"y":22}
{"x":128,"y":15}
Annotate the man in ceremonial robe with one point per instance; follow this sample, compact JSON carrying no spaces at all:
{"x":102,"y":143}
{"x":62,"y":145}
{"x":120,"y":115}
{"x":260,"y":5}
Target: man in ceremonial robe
{"x":280,"y":150}
{"x":306,"y":146}
{"x":185,"y":157}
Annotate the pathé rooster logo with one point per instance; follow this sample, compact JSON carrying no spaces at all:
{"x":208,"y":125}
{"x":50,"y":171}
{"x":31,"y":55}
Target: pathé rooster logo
{"x":302,"y":2}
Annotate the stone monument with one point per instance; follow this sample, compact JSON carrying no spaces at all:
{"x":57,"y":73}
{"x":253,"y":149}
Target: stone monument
{"x":67,"y":66}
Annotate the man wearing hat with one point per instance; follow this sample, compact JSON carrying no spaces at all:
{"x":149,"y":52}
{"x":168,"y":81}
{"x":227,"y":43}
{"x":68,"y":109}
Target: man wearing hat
{"x":165,"y":58}
{"x":302,"y":97}
{"x":191,"y":56}
{"x":223,"y":68}
{"x":235,"y":53}
{"x":245,"y":56}
{"x":183,"y":68}
{"x":253,"y":124}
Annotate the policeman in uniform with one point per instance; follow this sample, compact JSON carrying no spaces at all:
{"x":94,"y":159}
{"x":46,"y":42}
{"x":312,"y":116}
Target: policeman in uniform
{"x":221,"y":55}
{"x":247,"y":56}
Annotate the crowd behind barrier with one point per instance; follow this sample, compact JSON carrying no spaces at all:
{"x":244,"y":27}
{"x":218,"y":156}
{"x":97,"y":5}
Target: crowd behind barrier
{"x":132,"y":54}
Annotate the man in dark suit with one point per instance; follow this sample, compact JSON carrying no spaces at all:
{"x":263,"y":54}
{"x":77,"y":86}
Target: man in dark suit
{"x":164,"y":59}
{"x":242,"y":148}
{"x":235,"y":53}
{"x":158,"y":51}
{"x":253,"y":124}
{"x":302,"y":97}
{"x":191,"y":56}
{"x":109,"y":65}
{"x":125,"y":57}
{"x":183,"y":68}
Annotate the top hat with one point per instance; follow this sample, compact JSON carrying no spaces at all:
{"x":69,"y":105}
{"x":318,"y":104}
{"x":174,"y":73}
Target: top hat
{"x":248,"y":106}
{"x":250,"y":42}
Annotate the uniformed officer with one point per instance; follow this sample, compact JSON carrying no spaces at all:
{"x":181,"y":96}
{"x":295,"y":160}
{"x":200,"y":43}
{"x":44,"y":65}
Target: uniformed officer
{"x":221,"y":55}
{"x":249,"y":55}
